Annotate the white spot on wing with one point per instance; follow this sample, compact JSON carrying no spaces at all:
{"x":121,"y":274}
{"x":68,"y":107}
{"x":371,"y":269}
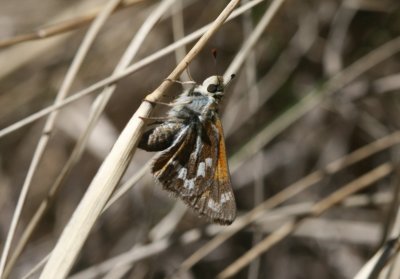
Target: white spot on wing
{"x":189,"y":184}
{"x":216,"y":207}
{"x":199,"y":143}
{"x":225,"y":197}
{"x":209,"y":162}
{"x":201,"y":170}
{"x":182,"y":173}
{"x":213,"y":205}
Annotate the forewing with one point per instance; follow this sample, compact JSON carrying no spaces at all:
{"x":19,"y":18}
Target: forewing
{"x":218,"y":201}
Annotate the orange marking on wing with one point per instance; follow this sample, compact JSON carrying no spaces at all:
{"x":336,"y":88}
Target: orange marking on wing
{"x":222,"y":171}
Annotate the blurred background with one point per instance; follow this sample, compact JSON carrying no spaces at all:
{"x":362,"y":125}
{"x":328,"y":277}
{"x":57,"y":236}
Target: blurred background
{"x":319,"y":85}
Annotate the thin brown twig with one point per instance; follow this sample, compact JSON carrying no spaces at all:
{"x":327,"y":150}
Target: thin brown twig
{"x":61,"y":27}
{"x":333,"y":52}
{"x":36,"y":268}
{"x":302,"y":208}
{"x":319,"y":208}
{"x":341,"y":231}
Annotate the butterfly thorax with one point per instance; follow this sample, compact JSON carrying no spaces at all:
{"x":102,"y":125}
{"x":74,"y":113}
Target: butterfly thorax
{"x":189,"y":107}
{"x":200,"y":101}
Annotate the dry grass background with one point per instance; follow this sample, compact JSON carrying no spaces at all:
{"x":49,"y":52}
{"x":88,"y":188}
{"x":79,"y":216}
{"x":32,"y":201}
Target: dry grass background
{"x":311,"y":126}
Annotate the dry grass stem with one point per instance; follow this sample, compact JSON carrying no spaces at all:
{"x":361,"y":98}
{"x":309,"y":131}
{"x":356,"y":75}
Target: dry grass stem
{"x":387,"y":83}
{"x":333,"y":53}
{"x":61,"y":27}
{"x":36,"y":268}
{"x":125,"y":187}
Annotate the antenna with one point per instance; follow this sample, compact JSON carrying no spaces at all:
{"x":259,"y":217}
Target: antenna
{"x":214,"y":54}
{"x":229,"y":81}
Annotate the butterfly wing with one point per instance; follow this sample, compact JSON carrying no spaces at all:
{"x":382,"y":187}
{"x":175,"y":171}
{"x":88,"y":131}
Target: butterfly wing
{"x":160,"y":137}
{"x":218,"y":201}
{"x":195,"y":169}
{"x":172,"y":162}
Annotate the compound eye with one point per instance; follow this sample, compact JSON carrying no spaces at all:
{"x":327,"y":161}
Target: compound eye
{"x":212,"y":88}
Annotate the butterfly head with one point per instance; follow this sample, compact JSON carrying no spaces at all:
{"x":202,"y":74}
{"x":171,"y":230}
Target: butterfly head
{"x":214,"y":86}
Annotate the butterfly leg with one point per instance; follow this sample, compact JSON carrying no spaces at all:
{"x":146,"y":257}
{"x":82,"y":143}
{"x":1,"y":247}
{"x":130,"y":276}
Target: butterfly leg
{"x":160,"y":103}
{"x":188,"y":73}
{"x":166,"y":118}
{"x":168,"y":104}
{"x":154,"y":120}
{"x":190,"y":82}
